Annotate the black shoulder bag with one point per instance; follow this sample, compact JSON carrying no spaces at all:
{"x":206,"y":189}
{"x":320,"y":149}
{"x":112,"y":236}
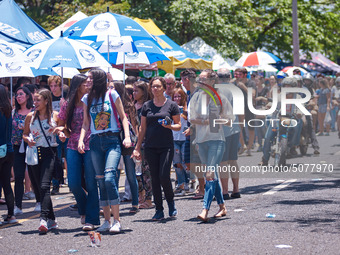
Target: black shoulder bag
{"x":58,"y":172}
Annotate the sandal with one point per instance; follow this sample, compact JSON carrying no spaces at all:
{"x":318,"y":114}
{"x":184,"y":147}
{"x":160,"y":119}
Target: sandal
{"x":146,"y":205}
{"x":134,"y":210}
{"x":198,"y":196}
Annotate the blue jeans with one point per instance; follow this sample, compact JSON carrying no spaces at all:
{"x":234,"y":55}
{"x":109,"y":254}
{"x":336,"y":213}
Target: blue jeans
{"x":334,"y":112}
{"x":211,"y":154}
{"x":130,"y":172}
{"x":293,"y":138}
{"x":105,"y":154}
{"x":182,"y":176}
{"x":88,"y":204}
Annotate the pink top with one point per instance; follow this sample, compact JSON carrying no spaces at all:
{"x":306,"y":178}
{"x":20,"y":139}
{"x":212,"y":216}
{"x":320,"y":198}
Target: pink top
{"x":77,"y":122}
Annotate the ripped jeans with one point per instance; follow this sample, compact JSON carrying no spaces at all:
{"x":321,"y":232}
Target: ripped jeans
{"x":105,"y":154}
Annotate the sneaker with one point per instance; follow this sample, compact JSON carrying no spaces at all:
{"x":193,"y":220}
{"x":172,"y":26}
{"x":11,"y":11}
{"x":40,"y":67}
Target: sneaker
{"x":10,"y":220}
{"x":326,"y":134}
{"x":52,"y":224}
{"x":316,"y":152}
{"x":248,"y":153}
{"x":172,"y":210}
{"x":43,"y":228}
{"x":116,"y":227}
{"x":105,"y":227}
{"x":259,"y":149}
{"x":25,"y":196}
{"x":73,"y":207}
{"x":319,"y":134}
{"x":55,"y":190}
{"x":37,"y":207}
{"x":242,"y":149}
{"x":159,"y":215}
{"x":88,"y":227}
{"x":179,"y":191}
{"x":17,"y":211}
{"x":29,"y":195}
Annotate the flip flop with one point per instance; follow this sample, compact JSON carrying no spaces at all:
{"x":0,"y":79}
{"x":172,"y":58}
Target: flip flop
{"x":198,"y":196}
{"x":202,"y":219}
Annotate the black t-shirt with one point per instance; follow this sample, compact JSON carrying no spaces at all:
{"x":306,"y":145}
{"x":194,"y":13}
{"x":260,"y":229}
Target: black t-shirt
{"x":156,"y":135}
{"x":56,"y":101}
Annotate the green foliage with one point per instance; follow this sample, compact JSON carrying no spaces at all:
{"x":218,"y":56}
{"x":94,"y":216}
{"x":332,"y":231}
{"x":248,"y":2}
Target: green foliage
{"x":230,"y":26}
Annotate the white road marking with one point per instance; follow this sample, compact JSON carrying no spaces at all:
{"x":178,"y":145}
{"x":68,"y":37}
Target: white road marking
{"x":279,"y":187}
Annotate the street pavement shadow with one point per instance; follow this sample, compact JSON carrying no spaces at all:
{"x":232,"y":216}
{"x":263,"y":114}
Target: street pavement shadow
{"x":165,"y":220}
{"x":211,"y":220}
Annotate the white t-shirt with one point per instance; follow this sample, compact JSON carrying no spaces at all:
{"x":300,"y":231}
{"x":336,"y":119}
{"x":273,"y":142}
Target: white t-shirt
{"x":103,"y":121}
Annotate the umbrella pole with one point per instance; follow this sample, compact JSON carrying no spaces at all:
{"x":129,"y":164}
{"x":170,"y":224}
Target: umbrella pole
{"x":124,"y":69}
{"x":62,"y":82}
{"x":108,"y":53}
{"x":11,"y":90}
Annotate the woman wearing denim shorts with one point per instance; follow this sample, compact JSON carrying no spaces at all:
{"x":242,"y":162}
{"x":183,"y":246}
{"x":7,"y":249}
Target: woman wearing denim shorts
{"x":101,"y":116}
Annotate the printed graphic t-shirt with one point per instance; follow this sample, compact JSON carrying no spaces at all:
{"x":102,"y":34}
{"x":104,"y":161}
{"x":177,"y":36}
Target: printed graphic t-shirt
{"x":102,"y":116}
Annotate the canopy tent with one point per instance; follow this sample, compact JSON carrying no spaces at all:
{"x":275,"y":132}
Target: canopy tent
{"x":204,"y":50}
{"x":324,"y":62}
{"x":179,"y":57}
{"x":17,"y":27}
{"x":69,"y":22}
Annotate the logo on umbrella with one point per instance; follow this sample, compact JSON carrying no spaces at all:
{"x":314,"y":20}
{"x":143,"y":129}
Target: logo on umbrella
{"x":87,"y":55}
{"x":115,"y":44}
{"x":132,"y":55}
{"x":101,"y":25}
{"x":6,"y":50}
{"x":32,"y":55}
{"x":11,"y":69}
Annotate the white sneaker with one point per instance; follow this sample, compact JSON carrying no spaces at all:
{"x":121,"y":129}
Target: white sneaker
{"x":43,"y":228}
{"x":116,"y":227}
{"x":105,"y":227}
{"x":37,"y":207}
{"x":52,"y":224}
{"x":17,"y":211}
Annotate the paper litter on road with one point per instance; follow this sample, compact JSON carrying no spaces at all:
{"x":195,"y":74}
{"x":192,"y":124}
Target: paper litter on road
{"x":283,"y":246}
{"x":238,"y":210}
{"x":72,"y":251}
{"x":270,"y":215}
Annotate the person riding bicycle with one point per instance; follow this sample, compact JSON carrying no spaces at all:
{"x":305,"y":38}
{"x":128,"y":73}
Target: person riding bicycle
{"x":292,"y":112}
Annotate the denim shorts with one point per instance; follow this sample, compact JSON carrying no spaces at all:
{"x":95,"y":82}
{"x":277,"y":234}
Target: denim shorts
{"x":323,"y":108}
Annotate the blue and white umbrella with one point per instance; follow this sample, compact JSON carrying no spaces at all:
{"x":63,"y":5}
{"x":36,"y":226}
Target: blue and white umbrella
{"x":105,"y":24}
{"x":122,"y":39}
{"x":63,"y":52}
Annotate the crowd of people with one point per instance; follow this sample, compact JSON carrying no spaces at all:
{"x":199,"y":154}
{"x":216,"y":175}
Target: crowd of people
{"x":86,"y":128}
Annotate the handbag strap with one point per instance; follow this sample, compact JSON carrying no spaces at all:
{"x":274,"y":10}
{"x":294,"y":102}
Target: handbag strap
{"x":114,"y":110}
{"x":49,"y":145}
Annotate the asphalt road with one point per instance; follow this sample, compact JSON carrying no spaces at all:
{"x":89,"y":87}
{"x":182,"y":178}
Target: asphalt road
{"x":306,"y":208}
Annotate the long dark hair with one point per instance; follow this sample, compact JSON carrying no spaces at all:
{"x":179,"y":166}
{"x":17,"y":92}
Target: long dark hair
{"x":47,"y":95}
{"x":145,"y":87}
{"x":76,"y":82}
{"x":98,"y":89}
{"x":29,"y":102}
{"x":128,"y":105}
{"x":5,"y":105}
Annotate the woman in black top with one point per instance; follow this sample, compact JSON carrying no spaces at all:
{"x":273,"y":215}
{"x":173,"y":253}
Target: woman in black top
{"x":6,"y":159}
{"x":159,"y":145}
